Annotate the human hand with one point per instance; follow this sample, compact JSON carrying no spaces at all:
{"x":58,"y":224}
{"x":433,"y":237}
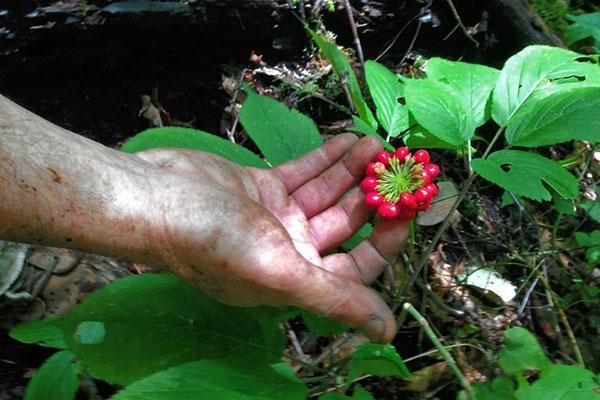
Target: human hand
{"x":252,"y":236}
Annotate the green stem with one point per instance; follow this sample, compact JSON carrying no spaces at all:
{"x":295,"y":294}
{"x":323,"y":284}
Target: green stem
{"x":443,"y":351}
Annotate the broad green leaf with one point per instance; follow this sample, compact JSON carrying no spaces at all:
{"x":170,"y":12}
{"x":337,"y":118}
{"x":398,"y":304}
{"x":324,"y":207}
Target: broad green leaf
{"x":562,"y":382}
{"x":280,"y":133}
{"x":90,"y":332}
{"x":57,"y":378}
{"x":533,"y":68}
{"x":585,"y":25}
{"x":41,"y":332}
{"x":342,"y":68}
{"x":217,"y":380}
{"x":155,"y":321}
{"x":500,"y":388}
{"x":592,"y":208}
{"x":361,"y":126}
{"x":592,"y":242}
{"x":524,"y":174}
{"x":437,"y":107}
{"x":419,"y":138}
{"x":359,"y":394}
{"x":185,"y":138}
{"x":564,"y":206}
{"x":570,"y":114}
{"x":378,"y":360}
{"x":322,"y":326}
{"x":363,"y":233}
{"x":522,"y":352}
{"x":385,"y":90}
{"x":473,"y":82}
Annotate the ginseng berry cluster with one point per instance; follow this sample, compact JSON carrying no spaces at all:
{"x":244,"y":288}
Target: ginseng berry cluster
{"x":400,"y":185}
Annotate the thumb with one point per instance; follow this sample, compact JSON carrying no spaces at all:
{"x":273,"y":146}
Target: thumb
{"x":343,"y":300}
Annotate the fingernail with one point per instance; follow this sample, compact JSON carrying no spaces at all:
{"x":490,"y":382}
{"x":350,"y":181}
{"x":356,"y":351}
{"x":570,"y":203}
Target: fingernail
{"x":375,"y":327}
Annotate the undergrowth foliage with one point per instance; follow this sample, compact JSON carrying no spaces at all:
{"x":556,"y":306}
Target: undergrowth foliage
{"x":161,"y":339}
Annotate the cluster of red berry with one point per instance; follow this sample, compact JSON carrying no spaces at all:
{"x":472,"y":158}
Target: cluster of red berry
{"x":401,"y":184}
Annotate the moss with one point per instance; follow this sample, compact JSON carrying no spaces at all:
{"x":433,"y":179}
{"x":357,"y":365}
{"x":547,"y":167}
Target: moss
{"x":553,"y":13}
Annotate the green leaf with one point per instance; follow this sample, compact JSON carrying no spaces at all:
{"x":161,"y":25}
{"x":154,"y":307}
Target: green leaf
{"x":592,"y":241}
{"x":562,"y":382}
{"x":342,"y":68}
{"x":500,"y":388}
{"x":185,"y":138}
{"x":522,"y":352}
{"x":280,"y":133}
{"x":438,"y":108}
{"x":322,"y":326}
{"x":42,"y":333}
{"x":419,"y":138}
{"x":361,"y":126}
{"x":217,"y":380}
{"x":363,"y":233}
{"x":570,"y":114}
{"x":564,"y":206}
{"x":473,"y":82}
{"x":57,"y":378}
{"x":526,"y":172}
{"x":585,"y":25}
{"x":378,"y":360}
{"x":533,"y":68}
{"x":359,"y":394}
{"x":385,"y":90}
{"x":155,"y":321}
{"x":592,"y":208}
{"x":90,"y":332}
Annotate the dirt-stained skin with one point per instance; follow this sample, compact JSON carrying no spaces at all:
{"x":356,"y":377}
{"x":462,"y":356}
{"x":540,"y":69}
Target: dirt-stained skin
{"x":243,"y":235}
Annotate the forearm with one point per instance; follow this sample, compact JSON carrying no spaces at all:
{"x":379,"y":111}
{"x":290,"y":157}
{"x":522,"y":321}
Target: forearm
{"x":60,"y":189}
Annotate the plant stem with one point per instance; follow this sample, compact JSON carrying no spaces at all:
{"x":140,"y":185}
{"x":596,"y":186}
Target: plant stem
{"x":443,"y":351}
{"x":359,"y":52}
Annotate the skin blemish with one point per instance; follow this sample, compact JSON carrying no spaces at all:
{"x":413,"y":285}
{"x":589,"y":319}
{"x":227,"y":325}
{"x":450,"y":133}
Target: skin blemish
{"x":55,"y":177}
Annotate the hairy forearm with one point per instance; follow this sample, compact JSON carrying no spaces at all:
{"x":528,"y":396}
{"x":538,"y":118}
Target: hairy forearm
{"x":60,"y":189}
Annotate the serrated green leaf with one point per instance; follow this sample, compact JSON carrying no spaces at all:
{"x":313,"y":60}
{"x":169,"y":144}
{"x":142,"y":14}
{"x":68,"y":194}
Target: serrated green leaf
{"x":500,"y":388}
{"x":438,"y":108}
{"x":42,"y":333}
{"x":363,"y":233}
{"x":378,"y":360}
{"x":57,"y":378}
{"x":473,"y":82}
{"x":217,"y":380}
{"x":570,"y":114}
{"x":185,"y":138}
{"x":419,"y":138}
{"x":537,"y":67}
{"x":562,"y":382}
{"x":385,"y":90}
{"x":280,"y":133}
{"x":361,"y":126}
{"x":154,"y":321}
{"x":359,"y":394}
{"x":522,"y":352}
{"x":592,"y":208}
{"x":585,"y":25}
{"x":526,"y":172}
{"x":342,"y":68}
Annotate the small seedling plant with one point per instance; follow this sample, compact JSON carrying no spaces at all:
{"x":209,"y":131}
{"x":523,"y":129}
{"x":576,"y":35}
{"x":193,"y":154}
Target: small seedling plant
{"x":158,"y":338}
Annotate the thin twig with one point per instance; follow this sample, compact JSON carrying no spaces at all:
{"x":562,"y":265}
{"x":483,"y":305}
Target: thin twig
{"x":393,"y":41}
{"x":359,"y":51}
{"x":294,"y":341}
{"x":232,"y":102}
{"x":413,"y":40}
{"x":442,"y":349}
{"x":462,"y":26}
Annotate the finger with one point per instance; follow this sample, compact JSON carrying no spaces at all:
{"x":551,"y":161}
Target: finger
{"x":367,"y":260}
{"x":326,"y":189}
{"x":335,"y":225}
{"x":345,"y":301}
{"x":297,"y":172}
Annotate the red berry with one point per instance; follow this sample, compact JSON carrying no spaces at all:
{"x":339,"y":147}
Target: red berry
{"x":425,"y":177}
{"x":402,"y":153}
{"x":387,"y":210}
{"x":422,"y":157}
{"x":384,"y":157}
{"x":433,"y":170}
{"x":373,"y":199}
{"x":422,"y":195}
{"x":432,"y":188}
{"x":370,"y":170}
{"x":369,"y":184}
{"x":407,"y":201}
{"x":425,"y":205}
{"x":406,"y":214}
